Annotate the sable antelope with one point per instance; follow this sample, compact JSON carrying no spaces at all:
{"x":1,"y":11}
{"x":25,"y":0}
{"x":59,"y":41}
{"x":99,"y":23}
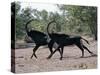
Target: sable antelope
{"x":38,"y":37}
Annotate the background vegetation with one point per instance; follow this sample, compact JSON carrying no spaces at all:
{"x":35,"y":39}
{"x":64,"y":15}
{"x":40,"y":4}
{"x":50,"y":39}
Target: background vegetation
{"x":81,"y":20}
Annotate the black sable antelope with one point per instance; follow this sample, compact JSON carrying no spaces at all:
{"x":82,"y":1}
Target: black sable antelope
{"x":66,"y":40}
{"x":39,"y":38}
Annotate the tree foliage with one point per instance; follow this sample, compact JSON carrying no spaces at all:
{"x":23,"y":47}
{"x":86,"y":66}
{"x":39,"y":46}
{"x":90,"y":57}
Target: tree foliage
{"x":83,"y":18}
{"x":73,"y":19}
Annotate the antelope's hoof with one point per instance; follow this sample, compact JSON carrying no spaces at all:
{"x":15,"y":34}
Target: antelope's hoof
{"x":48,"y":57}
{"x":82,"y":57}
{"x":94,"y":54}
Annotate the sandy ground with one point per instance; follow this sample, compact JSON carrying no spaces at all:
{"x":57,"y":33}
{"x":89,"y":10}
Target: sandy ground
{"x":71,"y":60}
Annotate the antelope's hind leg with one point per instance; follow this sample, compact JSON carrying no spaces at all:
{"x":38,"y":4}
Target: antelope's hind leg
{"x":92,"y":54}
{"x":81,"y":48}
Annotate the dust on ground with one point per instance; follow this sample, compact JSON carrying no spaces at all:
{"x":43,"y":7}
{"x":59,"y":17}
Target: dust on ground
{"x":71,"y":60}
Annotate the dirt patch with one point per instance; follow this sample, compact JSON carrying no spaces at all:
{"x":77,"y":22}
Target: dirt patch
{"x":71,"y":60}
